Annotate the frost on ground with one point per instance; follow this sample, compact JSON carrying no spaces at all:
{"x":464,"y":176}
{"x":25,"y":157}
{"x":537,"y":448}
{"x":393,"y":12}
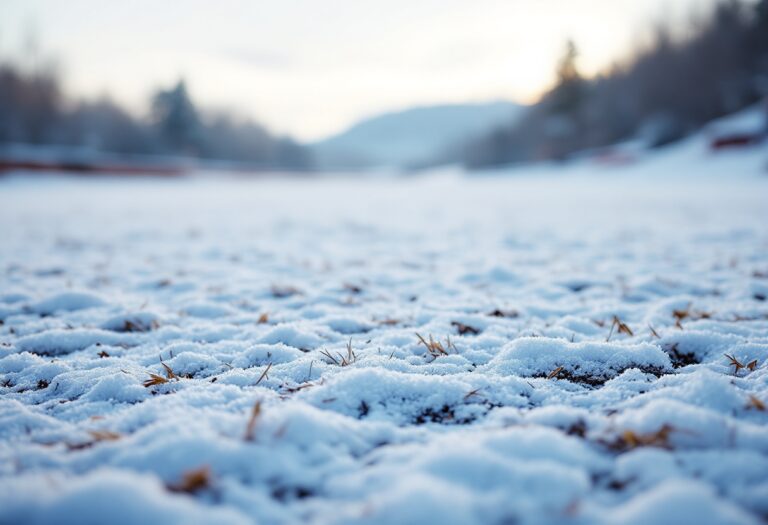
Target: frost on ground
{"x":591,"y":348}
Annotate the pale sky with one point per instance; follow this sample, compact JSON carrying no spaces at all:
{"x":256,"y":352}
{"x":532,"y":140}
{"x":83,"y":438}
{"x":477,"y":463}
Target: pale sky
{"x":311,"y":67}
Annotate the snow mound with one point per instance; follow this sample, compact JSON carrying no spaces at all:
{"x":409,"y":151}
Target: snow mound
{"x":587,"y":362}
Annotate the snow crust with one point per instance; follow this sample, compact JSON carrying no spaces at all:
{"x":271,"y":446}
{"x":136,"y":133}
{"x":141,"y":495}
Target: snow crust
{"x":539,"y":409}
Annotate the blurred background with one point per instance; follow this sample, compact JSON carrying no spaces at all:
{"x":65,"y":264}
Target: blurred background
{"x":142,"y":87}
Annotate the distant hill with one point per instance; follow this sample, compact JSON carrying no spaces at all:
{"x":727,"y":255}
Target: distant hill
{"x":411,"y":137}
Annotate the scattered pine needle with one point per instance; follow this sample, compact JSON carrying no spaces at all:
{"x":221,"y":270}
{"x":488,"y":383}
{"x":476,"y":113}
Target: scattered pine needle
{"x":250,"y":429}
{"x":654,"y":333}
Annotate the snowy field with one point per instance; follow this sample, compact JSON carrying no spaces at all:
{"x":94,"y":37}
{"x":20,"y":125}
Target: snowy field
{"x":246,"y":351}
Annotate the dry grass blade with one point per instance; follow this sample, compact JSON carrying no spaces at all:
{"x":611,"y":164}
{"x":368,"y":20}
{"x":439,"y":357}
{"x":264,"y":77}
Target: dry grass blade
{"x":620,"y":327}
{"x":104,"y":435}
{"x":154,"y":380}
{"x":169,"y":371}
{"x":752,"y":365}
{"x":299,"y":388}
{"x":554,"y":373}
{"x":264,"y":373}
{"x":327,"y":354}
{"x":475,"y":392}
{"x":351,"y":356}
{"x":97,"y":436}
{"x":654,"y":333}
{"x":340,"y":359}
{"x":434,"y":348}
{"x":687,"y":313}
{"x":630,"y":439}
{"x":250,"y":428}
{"x":756,"y":403}
{"x":193,"y":481}
{"x":738,"y":365}
{"x":263,"y":318}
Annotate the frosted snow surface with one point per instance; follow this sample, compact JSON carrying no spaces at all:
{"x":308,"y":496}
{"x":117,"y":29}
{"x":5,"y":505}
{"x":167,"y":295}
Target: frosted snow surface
{"x":541,"y":408}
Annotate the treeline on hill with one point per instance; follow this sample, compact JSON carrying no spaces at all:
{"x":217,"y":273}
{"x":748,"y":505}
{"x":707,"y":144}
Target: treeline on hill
{"x":33,"y":110}
{"x":660,"y":95}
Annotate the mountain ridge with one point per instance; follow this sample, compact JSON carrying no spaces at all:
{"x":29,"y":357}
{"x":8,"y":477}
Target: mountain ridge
{"x":412,"y":135}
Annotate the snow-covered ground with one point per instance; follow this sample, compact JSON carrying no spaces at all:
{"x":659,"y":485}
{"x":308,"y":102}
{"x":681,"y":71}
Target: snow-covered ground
{"x":246,"y":351}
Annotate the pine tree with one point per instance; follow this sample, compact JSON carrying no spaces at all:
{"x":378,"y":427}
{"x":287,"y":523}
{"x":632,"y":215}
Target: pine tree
{"x":177,"y":120}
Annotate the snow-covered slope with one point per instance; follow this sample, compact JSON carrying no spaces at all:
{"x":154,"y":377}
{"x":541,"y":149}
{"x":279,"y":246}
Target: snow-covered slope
{"x":411,"y":136}
{"x":246,"y":351}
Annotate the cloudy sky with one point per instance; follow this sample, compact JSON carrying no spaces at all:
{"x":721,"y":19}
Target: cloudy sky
{"x":311,"y":67}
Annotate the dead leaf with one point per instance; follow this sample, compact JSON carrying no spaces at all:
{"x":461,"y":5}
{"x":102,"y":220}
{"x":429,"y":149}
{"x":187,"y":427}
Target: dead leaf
{"x":756,"y":403}
{"x":193,"y":481}
{"x":465,"y":329}
{"x":630,"y":439}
